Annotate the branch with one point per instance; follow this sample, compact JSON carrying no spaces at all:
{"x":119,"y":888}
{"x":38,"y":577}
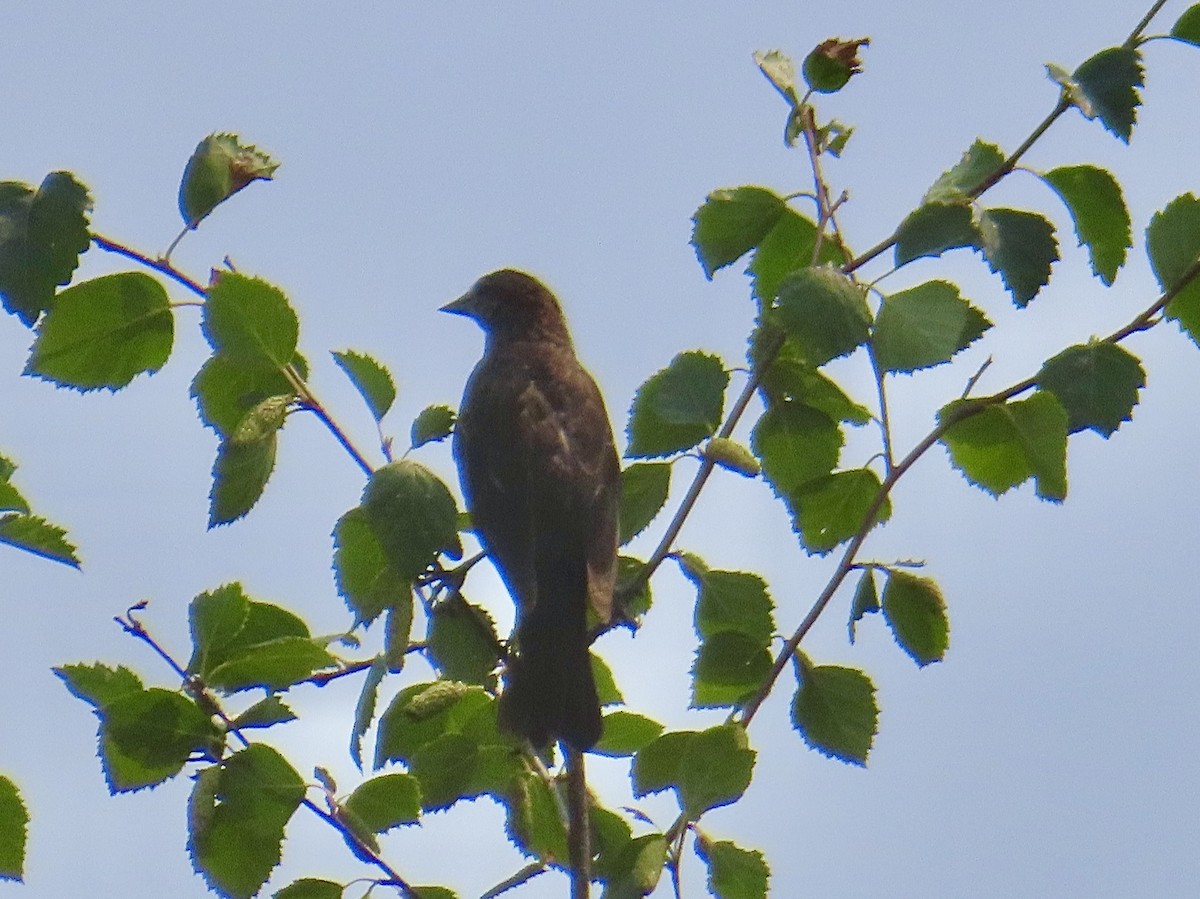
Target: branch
{"x":159,"y":265}
{"x":579,"y":842}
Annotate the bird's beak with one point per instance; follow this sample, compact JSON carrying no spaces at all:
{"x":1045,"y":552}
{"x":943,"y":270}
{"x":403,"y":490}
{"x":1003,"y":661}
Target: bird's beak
{"x":464,"y":305}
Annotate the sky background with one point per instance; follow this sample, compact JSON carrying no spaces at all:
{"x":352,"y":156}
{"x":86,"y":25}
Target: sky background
{"x":1052,"y":753}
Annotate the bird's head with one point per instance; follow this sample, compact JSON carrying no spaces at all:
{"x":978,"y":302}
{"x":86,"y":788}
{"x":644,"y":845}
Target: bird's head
{"x":509,"y":304}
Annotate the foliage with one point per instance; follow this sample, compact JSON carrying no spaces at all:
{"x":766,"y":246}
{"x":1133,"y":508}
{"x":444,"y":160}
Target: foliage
{"x":396,"y":553}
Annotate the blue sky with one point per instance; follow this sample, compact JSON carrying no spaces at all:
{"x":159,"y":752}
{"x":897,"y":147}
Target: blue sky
{"x":422,"y":145}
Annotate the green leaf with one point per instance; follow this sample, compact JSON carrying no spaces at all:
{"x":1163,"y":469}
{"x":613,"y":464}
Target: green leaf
{"x":364,"y":709}
{"x":1106,"y":88}
{"x":1020,"y":246}
{"x":146,"y":736}
{"x":434,"y":423}
{"x":626,"y":733}
{"x":959,"y":183}
{"x":611,"y":836}
{"x":98,"y":685}
{"x":462,"y":642}
{"x":925,"y":326}
{"x":934,"y":228}
{"x":788,"y":246}
{"x":238,"y":812}
{"x":796,"y":444}
{"x":364,"y":578}
{"x":644,"y":490}
{"x":104,"y":333}
{"x":414,"y":516}
{"x":310,"y":888}
{"x":730,"y":601}
{"x":1173,"y":244}
{"x":866,"y":599}
{"x":1002,"y":446}
{"x":421,"y":713}
{"x":219,"y":167}
{"x":386,"y":801}
{"x":707,"y":769}
{"x":1094,"y":199}
{"x":445,"y":767}
{"x":11,"y":499}
{"x":830,"y":510}
{"x":731,"y":223}
{"x":38,"y":536}
{"x":249,"y":320}
{"x":227,"y":389}
{"x":535,"y":824}
{"x":1187,"y":26}
{"x":916,"y":612}
{"x":677,"y":407}
{"x":266,"y":712}
{"x":240,"y":474}
{"x":370,"y":378}
{"x":272,"y":665}
{"x":792,"y":380}
{"x":42,"y":234}
{"x":1097,"y":383}
{"x":824,"y":313}
{"x":733,"y":873}
{"x":637,"y":603}
{"x":428,"y":892}
{"x":834,"y":710}
{"x":607,"y":691}
{"x":640,"y":865}
{"x":14,"y":825}
{"x":831,"y":64}
{"x":732,"y":456}
{"x":729,"y":667}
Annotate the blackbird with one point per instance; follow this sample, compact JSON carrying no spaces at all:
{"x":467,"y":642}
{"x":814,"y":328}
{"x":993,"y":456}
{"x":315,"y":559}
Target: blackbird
{"x":539,"y":472}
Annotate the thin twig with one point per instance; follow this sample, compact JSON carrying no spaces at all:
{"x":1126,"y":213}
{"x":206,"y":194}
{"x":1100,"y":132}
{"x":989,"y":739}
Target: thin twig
{"x":163,"y":266}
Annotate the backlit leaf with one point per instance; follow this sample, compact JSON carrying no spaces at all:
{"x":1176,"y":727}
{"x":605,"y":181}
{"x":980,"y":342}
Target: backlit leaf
{"x":824,"y":313}
{"x":1097,"y":383}
{"x":834,"y":710}
{"x":916,"y":612}
{"x":370,"y":378}
{"x":925,"y":326}
{"x":677,"y":407}
{"x":1093,"y":198}
{"x":1020,"y":247}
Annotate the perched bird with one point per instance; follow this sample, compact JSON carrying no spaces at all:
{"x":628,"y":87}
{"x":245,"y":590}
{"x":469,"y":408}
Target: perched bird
{"x":539,"y":471}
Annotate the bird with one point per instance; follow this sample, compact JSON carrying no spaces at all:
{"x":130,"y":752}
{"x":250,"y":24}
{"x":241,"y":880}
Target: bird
{"x":542,"y":482}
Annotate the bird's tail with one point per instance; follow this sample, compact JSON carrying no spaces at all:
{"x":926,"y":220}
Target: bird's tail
{"x":550,"y":693}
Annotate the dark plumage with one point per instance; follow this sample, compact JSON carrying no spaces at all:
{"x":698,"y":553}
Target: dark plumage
{"x":539,"y":470}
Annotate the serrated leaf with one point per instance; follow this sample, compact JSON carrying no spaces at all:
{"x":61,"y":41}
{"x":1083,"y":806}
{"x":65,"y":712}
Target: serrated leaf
{"x":796,"y":444}
{"x":227,"y":389}
{"x":267,"y":712}
{"x":14,"y":825}
{"x":1187,"y":26}
{"x":916,"y":612}
{"x":421,"y":713}
{"x":830,"y":510}
{"x":958,"y":183}
{"x":370,"y":378}
{"x":733,"y":873}
{"x":788,"y":246}
{"x":249,"y":320}
{"x":1107,"y":86}
{"x":1094,"y":199}
{"x":637,"y":603}
{"x":729,"y":667}
{"x":730,"y":601}
{"x":42,"y":234}
{"x":1097,"y":383}
{"x":866,"y":599}
{"x":386,"y":801}
{"x":272,"y":665}
{"x":625,"y":733}
{"x":364,"y":578}
{"x":310,"y":888}
{"x":240,"y":474}
{"x":677,"y":407}
{"x":98,"y":685}
{"x":147,"y":736}
{"x":434,"y":423}
{"x":535,"y":824}
{"x":834,"y":710}
{"x":934,"y":228}
{"x":925,"y":326}
{"x":445,"y":767}
{"x":824,"y":313}
{"x":732,"y":456}
{"x":38,"y":536}
{"x":219,"y":167}
{"x":644,"y":490}
{"x":731,"y":222}
{"x":707,"y":769}
{"x":1005,"y":445}
{"x":1020,"y":247}
{"x":364,"y":709}
{"x":607,"y":691}
{"x":397,"y":632}
{"x":462,"y":642}
{"x":11,"y":499}
{"x":238,"y":818}
{"x":639,"y":865}
{"x":1173,"y":244}
{"x":792,"y":380}
{"x":104,"y":333}
{"x":414,"y":516}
